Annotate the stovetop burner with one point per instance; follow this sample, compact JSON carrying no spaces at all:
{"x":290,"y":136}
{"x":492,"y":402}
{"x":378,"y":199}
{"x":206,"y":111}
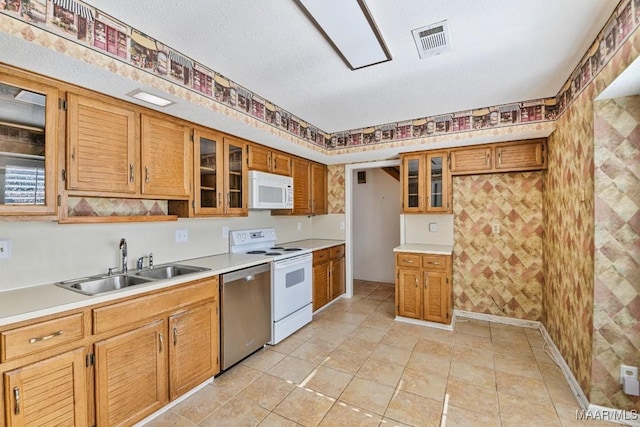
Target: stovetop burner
{"x":257,"y":252}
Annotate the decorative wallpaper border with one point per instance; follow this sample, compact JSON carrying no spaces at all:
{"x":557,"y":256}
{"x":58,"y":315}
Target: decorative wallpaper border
{"x":89,"y":27}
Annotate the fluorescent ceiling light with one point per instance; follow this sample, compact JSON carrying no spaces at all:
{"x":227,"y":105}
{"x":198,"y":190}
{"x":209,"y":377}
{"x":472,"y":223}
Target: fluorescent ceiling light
{"x":151,"y":99}
{"x":350,"y":29}
{"x":31,"y":97}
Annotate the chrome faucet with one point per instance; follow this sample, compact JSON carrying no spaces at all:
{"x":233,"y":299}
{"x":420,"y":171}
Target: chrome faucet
{"x":123,"y":253}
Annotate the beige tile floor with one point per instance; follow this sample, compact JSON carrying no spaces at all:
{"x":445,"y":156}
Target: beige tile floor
{"x":355,"y":366}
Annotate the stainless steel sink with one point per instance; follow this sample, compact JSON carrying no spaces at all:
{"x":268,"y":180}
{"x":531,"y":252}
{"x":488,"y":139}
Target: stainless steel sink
{"x":168,"y":271}
{"x":108,"y":283}
{"x":99,"y":285}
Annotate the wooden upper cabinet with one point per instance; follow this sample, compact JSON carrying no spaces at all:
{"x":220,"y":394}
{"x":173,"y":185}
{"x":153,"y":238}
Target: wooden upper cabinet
{"x":413,"y":183}
{"x":437,"y":183}
{"x":102,"y":146}
{"x":236,"y":184}
{"x":166,"y":157}
{"x":208,"y":177}
{"x":318,"y":189}
{"x":131,"y":375}
{"x":28,"y":146}
{"x":50,"y":392}
{"x":301,"y":187}
{"x":524,"y":155}
{"x":471,"y":160}
{"x":510,"y":156}
{"x":265,"y":160}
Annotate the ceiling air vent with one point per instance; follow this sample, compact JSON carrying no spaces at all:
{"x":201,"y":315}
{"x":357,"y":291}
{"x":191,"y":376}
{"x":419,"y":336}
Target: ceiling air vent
{"x":433,"y":39}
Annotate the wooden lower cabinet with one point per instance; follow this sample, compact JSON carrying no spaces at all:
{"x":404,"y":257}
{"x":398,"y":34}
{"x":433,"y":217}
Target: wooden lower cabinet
{"x":328,"y":275}
{"x":131,"y":375}
{"x":194,"y":336}
{"x":49,"y":392}
{"x":423,"y":287}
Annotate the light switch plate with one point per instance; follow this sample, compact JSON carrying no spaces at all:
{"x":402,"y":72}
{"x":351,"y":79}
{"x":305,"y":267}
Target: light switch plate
{"x":5,"y":249}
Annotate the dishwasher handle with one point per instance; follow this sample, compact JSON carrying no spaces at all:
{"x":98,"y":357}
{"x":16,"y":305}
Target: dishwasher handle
{"x":246,"y":274}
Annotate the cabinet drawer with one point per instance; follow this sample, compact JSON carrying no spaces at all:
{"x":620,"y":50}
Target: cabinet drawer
{"x":320,"y":256}
{"x":408,"y":260}
{"x":434,"y":262}
{"x":146,"y":307}
{"x":41,"y":336}
{"x":336,"y":252}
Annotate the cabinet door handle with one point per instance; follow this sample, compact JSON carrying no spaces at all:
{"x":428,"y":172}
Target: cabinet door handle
{"x":16,"y":396}
{"x":175,"y":336}
{"x":488,"y":157}
{"x":409,"y":261}
{"x":146,"y":174}
{"x":46,"y":337}
{"x":131,"y":173}
{"x":426,"y":282}
{"x":500,"y":157}
{"x":433,"y":262}
{"x":161,"y":339}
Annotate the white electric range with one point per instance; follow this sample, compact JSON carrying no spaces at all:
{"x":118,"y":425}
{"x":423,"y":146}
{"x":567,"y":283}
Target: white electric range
{"x":291,"y":286}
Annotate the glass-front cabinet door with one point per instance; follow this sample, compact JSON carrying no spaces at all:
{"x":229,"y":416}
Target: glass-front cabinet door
{"x":209,"y":173}
{"x":438,"y":183}
{"x":28,"y":123}
{"x":413,"y":172}
{"x":236,"y":176}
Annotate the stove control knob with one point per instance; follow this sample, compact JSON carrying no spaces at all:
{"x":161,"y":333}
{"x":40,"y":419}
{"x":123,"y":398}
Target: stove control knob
{"x":243,"y":236}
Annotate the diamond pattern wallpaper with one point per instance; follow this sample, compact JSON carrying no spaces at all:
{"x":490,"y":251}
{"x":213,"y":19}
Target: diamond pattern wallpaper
{"x":570,"y":309}
{"x":616,"y":329}
{"x":498,"y":273}
{"x":335,"y":189}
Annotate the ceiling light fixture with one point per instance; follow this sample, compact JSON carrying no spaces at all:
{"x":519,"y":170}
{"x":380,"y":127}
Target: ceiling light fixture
{"x":350,"y":29}
{"x":151,"y":99}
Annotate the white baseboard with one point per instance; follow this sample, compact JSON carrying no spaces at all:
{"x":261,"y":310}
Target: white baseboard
{"x":593,"y":412}
{"x":449,"y":327}
{"x":174,"y":403}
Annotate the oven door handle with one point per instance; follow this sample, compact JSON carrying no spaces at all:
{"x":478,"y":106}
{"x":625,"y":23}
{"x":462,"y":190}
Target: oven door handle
{"x":287,"y":263}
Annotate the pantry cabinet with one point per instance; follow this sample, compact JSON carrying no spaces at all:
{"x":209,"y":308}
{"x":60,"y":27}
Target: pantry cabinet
{"x":28,"y":145}
{"x":423,"y":287}
{"x":131,"y":379}
{"x":425,"y":183}
{"x":328,"y":275}
{"x":262,"y":159}
{"x":49,"y":392}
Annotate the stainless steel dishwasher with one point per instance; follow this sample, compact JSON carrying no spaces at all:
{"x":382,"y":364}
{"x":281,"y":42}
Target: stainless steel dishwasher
{"x":245,"y":312}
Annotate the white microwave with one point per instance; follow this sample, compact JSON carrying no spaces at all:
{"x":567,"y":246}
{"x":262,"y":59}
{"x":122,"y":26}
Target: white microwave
{"x":270,"y":191}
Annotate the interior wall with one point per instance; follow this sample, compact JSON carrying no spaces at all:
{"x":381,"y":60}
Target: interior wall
{"x":416,"y":229}
{"x":46,"y":252}
{"x":568,"y":212}
{"x":376,"y":226}
{"x":498,"y":273}
{"x":616,"y":329}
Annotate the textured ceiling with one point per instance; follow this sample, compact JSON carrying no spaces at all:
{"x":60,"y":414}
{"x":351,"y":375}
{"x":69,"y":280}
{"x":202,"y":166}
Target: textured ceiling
{"x":503,"y":51}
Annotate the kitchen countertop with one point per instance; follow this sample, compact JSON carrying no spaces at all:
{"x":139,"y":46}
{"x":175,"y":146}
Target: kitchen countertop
{"x":425,"y":248}
{"x":31,"y":302}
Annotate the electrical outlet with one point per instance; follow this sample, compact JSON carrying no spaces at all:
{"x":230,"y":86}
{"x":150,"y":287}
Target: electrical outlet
{"x":341,"y":225}
{"x":628,"y":372}
{"x":299,"y":226}
{"x":495,"y":228}
{"x":225,"y":232}
{"x":182,"y":236}
{"x":5,"y":249}
{"x":433,"y":227}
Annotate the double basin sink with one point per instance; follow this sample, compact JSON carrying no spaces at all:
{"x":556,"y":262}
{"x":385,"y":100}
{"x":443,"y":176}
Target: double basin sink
{"x":95,"y":285}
